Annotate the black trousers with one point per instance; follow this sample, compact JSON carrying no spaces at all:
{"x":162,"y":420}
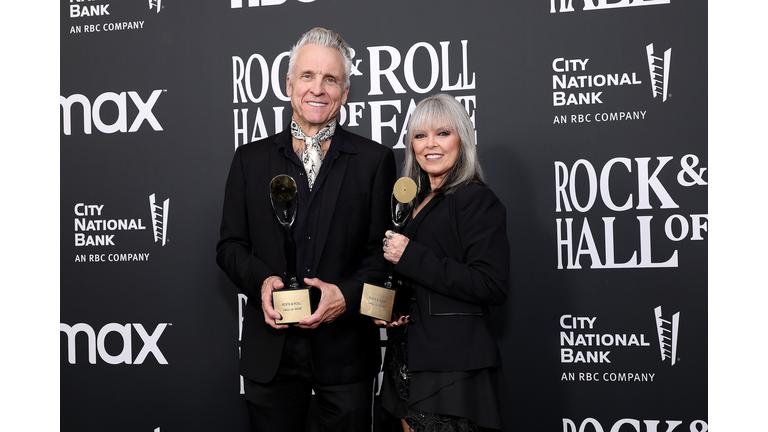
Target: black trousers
{"x":282,"y":404}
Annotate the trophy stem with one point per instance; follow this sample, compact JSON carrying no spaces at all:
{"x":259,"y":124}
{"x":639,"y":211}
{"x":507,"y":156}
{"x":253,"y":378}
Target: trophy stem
{"x":290,"y":253}
{"x":388,"y":283}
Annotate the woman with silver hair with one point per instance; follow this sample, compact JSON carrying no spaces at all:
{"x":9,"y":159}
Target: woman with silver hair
{"x":443,"y":366}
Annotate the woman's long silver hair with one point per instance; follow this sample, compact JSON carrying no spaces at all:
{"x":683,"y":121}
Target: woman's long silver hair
{"x":436,"y":111}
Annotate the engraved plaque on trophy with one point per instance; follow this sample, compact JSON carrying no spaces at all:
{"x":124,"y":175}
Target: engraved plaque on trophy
{"x":378,"y":300}
{"x":292,"y":302}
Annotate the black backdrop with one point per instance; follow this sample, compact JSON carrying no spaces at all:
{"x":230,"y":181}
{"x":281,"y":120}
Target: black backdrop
{"x":602,"y":169}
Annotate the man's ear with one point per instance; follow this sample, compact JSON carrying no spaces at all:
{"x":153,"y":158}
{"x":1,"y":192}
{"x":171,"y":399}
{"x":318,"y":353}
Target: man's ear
{"x":344,"y":95}
{"x":288,"y":89}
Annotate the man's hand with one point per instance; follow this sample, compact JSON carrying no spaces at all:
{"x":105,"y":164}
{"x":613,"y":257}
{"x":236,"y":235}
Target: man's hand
{"x":270,"y":314}
{"x":332,"y":304}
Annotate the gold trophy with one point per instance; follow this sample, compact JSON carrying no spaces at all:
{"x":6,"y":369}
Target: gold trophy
{"x":292,"y":302}
{"x":378,"y":301}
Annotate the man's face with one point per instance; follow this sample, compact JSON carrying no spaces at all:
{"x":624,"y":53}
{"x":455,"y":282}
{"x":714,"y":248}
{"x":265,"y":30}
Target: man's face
{"x":316,"y":87}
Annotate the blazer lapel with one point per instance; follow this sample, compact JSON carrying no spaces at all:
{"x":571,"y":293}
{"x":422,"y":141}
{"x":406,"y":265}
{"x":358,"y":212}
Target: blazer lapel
{"x":413,"y":225}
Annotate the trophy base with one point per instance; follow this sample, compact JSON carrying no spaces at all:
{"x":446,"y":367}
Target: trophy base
{"x":292,"y":304}
{"x":377,"y":302}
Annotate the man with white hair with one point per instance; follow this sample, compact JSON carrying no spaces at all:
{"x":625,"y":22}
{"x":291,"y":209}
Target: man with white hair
{"x":344,"y":184}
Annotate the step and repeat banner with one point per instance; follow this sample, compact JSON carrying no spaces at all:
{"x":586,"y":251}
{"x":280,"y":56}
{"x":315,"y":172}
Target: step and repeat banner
{"x":591,"y":122}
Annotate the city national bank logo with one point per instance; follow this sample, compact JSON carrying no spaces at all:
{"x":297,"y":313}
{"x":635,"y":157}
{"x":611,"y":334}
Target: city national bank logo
{"x":89,"y":220}
{"x":659,"y":69}
{"x":78,"y":10}
{"x":97,"y":343}
{"x":236,"y":4}
{"x":96,"y":230}
{"x":567,"y":5}
{"x":574,"y":84}
{"x":159,"y":218}
{"x":581,"y":343}
{"x":584,"y":341}
{"x":96,"y":17}
{"x":667,"y":330}
{"x":92,"y":112}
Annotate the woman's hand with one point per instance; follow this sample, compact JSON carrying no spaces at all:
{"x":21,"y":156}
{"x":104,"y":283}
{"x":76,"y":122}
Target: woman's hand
{"x":399,"y":321}
{"x":394,"y":246}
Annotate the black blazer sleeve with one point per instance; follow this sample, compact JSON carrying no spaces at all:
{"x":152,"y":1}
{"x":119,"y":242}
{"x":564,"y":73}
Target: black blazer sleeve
{"x":234,"y":250}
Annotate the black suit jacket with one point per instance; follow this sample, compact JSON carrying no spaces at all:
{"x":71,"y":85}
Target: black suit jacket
{"x":353,"y":218}
{"x":457,"y":261}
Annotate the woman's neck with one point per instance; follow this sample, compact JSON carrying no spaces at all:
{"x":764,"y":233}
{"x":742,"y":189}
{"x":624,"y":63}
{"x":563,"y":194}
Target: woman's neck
{"x":436,"y":181}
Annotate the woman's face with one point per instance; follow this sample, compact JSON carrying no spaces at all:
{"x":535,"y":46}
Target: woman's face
{"x":436,"y":151}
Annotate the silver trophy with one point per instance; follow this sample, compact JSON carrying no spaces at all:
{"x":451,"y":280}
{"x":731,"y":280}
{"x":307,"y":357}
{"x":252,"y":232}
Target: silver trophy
{"x":292,"y":302}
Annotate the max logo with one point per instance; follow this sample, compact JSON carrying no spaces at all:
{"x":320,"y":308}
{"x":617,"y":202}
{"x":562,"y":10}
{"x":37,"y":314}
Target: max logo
{"x":97,"y":343}
{"x":92,"y":113}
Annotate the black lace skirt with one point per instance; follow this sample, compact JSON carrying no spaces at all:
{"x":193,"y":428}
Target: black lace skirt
{"x":458,"y":401}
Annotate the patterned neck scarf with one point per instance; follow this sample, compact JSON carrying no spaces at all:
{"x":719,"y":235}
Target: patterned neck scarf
{"x":312,"y":155}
